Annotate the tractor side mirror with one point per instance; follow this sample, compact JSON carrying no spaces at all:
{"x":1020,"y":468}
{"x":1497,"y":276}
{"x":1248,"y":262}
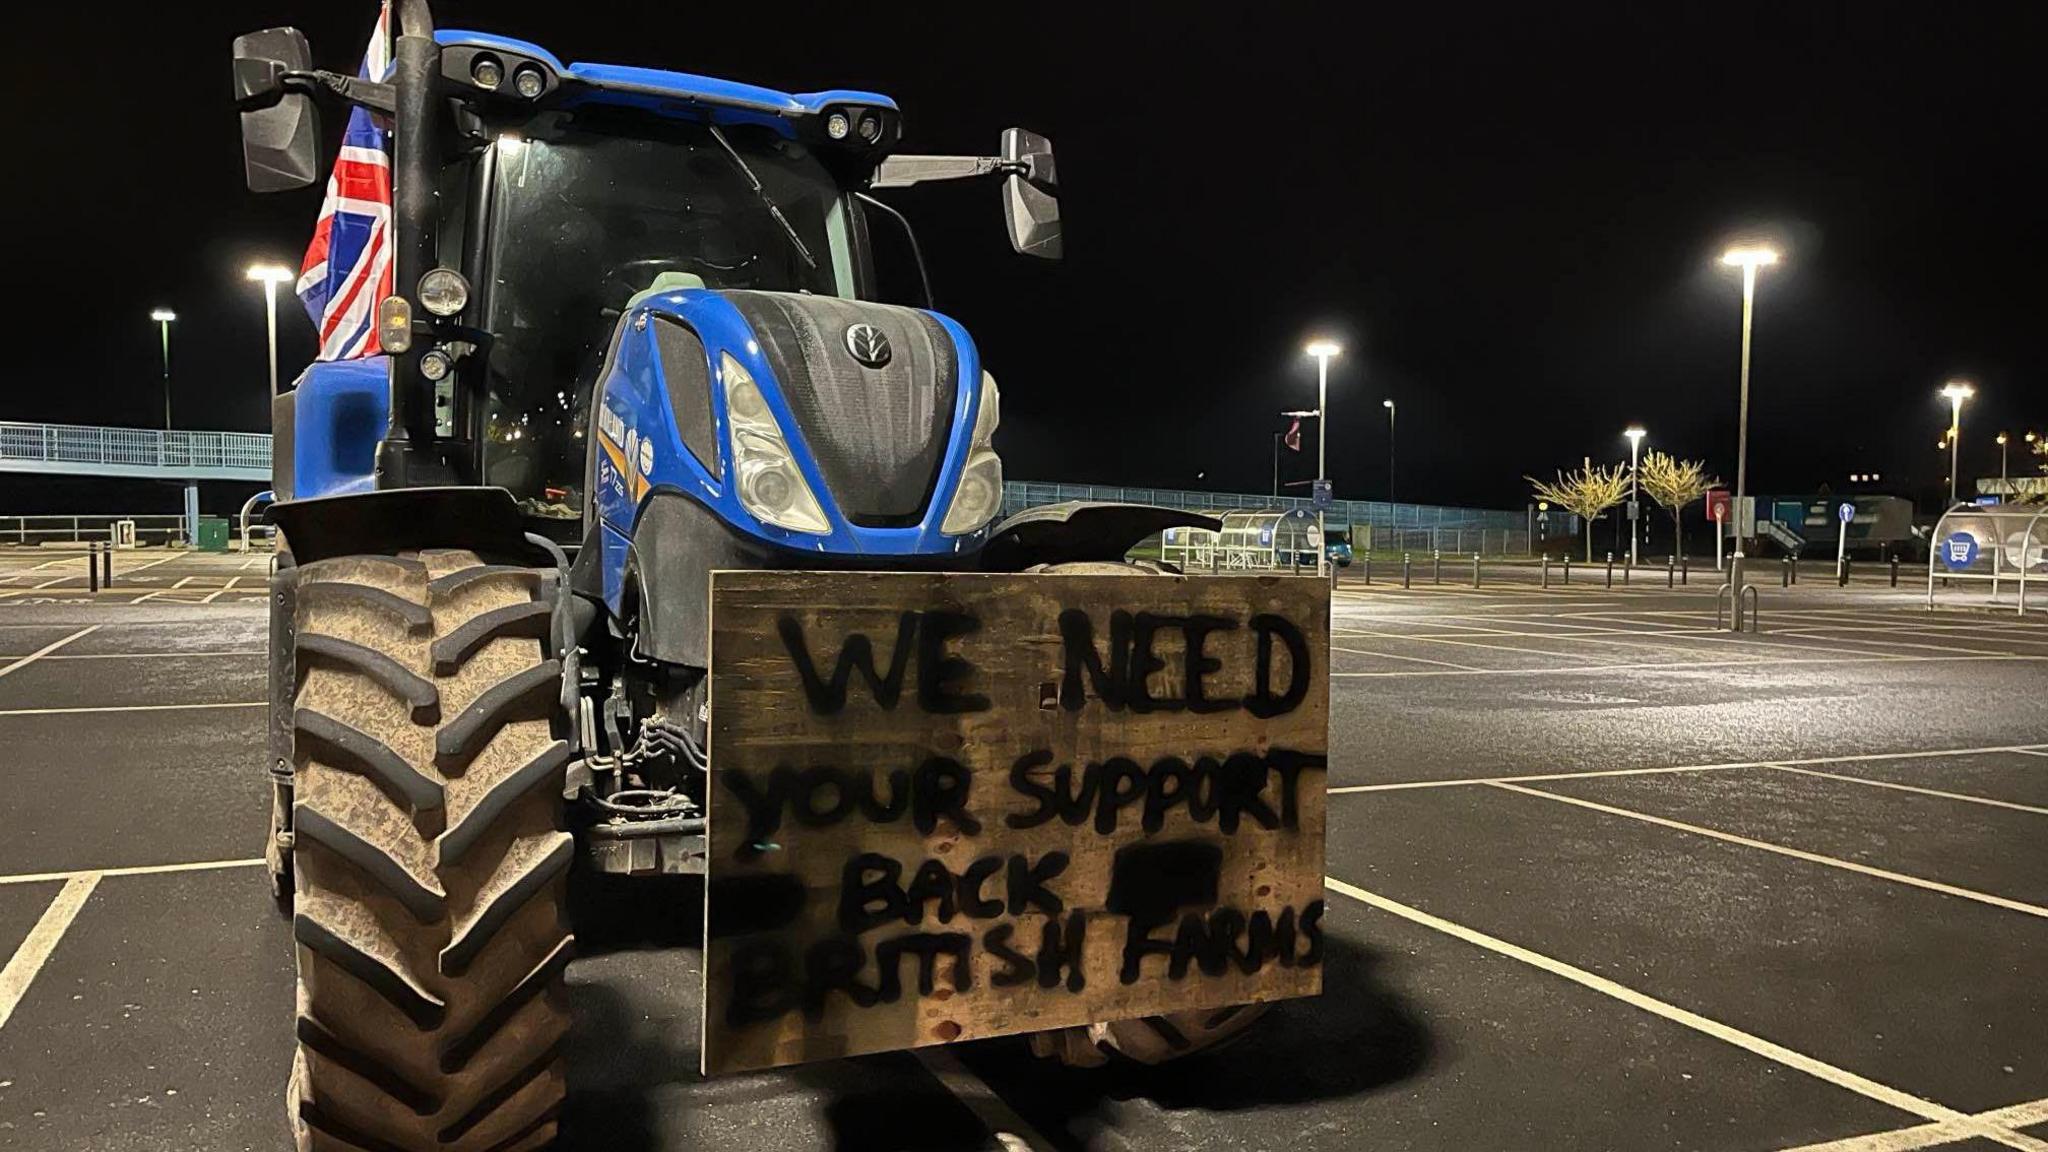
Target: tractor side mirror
{"x":280,"y":127}
{"x":1031,"y":205}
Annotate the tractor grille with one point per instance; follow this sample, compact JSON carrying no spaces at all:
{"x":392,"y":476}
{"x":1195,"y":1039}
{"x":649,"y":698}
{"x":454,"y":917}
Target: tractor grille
{"x":879,"y":434}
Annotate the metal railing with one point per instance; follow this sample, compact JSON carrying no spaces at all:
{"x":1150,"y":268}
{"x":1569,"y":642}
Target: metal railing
{"x":33,"y":530}
{"x":1369,"y":523}
{"x":88,"y":450}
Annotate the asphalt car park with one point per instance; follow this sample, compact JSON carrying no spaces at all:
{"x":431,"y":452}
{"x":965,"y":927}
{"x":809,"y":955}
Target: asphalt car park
{"x":1600,"y":876}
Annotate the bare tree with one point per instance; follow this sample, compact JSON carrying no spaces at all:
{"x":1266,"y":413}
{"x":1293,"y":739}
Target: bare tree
{"x":1585,"y":493}
{"x":1673,"y":484}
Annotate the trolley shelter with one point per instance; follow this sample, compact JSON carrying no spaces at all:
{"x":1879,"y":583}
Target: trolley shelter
{"x":2004,"y":545}
{"x":1257,"y":540}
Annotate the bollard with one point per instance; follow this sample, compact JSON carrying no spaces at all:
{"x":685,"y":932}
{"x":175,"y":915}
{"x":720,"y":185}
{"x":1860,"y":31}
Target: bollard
{"x":1785,"y":572}
{"x":1793,"y":561}
{"x":107,"y":558}
{"x":1407,"y":570}
{"x":1671,"y":570}
{"x":1627,"y":569}
{"x":92,"y":566}
{"x":1436,"y":563}
{"x":1567,"y":569}
{"x":1610,"y":569}
{"x":1475,"y":569}
{"x":1843,"y":577}
{"x":1214,"y":559}
{"x":1368,"y":567}
{"x":1895,"y":571}
{"x":1293,"y":562}
{"x":1546,"y":569}
{"x":1683,"y":575}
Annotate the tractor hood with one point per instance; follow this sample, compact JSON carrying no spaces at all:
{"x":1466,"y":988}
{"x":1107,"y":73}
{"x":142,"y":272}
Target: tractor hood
{"x":878,"y":409}
{"x":872,"y":387}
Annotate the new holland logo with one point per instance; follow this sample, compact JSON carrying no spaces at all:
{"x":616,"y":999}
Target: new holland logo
{"x":867,"y":344}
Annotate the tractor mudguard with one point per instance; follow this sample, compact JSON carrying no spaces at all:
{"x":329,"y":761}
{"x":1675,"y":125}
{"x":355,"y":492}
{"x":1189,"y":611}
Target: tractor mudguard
{"x":475,"y":519}
{"x":1080,"y":530}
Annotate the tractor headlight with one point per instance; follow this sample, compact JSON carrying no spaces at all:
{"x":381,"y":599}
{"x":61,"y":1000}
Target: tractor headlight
{"x":763,"y":469}
{"x":980,"y":493}
{"x":443,"y":292}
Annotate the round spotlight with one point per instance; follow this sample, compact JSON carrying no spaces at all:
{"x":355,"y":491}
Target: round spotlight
{"x":443,"y":292}
{"x":436,"y":365}
{"x":836,"y":126}
{"x":871,"y":128}
{"x":529,"y":82}
{"x":487,"y":72}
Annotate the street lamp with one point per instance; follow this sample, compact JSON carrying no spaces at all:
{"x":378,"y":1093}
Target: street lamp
{"x":163,"y":317}
{"x":2004,"y":477}
{"x":271,"y":275}
{"x":1323,"y":351}
{"x":1749,"y":260}
{"x":1635,"y":442}
{"x":1389,"y":406}
{"x":1957,"y":391}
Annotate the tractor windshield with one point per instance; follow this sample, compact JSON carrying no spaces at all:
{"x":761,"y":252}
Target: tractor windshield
{"x":588,"y":208}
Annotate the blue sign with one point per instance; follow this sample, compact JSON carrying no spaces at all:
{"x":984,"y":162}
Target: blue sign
{"x":1846,"y":512}
{"x":1959,"y":551}
{"x":1319,"y":496}
{"x":1265,"y":537}
{"x":1986,"y":501}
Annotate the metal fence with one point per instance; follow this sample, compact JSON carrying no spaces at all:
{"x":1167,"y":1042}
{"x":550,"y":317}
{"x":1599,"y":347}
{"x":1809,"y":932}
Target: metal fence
{"x":75,"y":448}
{"x":32,"y":530}
{"x":1375,"y":524}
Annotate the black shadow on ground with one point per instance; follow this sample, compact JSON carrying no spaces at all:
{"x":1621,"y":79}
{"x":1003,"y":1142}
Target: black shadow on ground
{"x":1359,"y":1036}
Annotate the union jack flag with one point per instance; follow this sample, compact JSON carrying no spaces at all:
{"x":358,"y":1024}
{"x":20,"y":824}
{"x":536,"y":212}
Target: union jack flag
{"x":348,"y":265}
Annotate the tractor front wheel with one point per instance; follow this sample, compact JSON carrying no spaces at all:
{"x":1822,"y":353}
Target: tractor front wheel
{"x":428,"y":856}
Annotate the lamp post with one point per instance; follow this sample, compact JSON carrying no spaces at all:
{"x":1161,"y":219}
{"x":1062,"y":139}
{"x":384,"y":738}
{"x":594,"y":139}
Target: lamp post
{"x":270,"y":276}
{"x":1323,"y":351}
{"x":1389,"y":406}
{"x":163,"y":317}
{"x":2004,"y":477}
{"x":1749,"y":260}
{"x":1957,"y":391}
{"x":1635,"y":442}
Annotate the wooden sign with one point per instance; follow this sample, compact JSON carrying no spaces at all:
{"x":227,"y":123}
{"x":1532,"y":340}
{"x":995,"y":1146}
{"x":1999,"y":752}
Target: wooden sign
{"x":945,"y":807}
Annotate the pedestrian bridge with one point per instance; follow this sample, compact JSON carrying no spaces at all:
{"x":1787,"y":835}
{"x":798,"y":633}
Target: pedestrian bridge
{"x":134,"y":453}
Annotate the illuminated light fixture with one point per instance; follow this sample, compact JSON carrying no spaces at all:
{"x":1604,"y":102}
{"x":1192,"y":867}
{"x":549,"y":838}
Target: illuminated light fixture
{"x":443,"y":292}
{"x":1324,"y":349}
{"x":1749,"y":257}
{"x":436,"y":365}
{"x":1958,"y":391}
{"x":270,"y":274}
{"x":487,"y":72}
{"x":163,"y":315}
{"x":528,"y":82}
{"x":2001,"y":439}
{"x":837,"y":126}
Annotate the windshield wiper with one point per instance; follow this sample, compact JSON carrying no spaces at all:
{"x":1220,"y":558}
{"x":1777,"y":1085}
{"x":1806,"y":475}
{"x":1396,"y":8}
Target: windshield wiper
{"x":767,"y":201}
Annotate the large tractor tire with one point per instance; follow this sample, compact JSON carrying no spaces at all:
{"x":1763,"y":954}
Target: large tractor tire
{"x":429,"y":860}
{"x":1147,"y":1039}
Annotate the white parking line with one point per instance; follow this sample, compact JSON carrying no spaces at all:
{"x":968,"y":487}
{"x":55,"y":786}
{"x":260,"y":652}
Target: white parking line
{"x":46,"y":649}
{"x":42,"y":940}
{"x":1782,"y":850}
{"x":1854,"y":758}
{"x":182,"y":581}
{"x":122,"y":708}
{"x":1913,"y":788}
{"x":1012,"y":1132}
{"x":131,"y":870}
{"x":1777,"y":1053}
{"x":1688,"y":666}
{"x":1933,"y":1135}
{"x":1410,"y":659}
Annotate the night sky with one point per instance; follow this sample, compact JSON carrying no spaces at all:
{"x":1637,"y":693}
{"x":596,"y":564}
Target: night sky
{"x":1512,"y":223}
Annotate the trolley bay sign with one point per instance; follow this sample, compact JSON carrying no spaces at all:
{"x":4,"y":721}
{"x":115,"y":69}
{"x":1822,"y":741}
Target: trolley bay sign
{"x":946,"y":807}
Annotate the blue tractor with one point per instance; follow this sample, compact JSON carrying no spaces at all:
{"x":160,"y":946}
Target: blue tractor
{"x":636,"y":332}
